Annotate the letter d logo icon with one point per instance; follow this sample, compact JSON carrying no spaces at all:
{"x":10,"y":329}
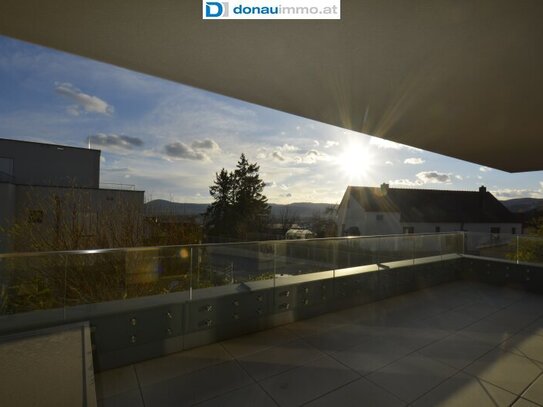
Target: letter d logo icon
{"x":214,"y":9}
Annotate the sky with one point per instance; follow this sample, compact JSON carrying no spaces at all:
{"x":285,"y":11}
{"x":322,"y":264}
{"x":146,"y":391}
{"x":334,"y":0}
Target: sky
{"x":169,"y":139}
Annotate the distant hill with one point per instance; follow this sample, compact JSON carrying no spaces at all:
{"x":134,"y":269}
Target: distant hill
{"x":303,"y":210}
{"x":523,"y":205}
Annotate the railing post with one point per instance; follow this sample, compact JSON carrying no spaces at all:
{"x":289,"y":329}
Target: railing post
{"x":413,"y":249}
{"x":190,"y":274}
{"x":518,"y":249}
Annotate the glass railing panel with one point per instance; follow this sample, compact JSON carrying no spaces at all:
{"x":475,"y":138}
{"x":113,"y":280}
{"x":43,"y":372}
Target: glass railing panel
{"x":426,"y":247}
{"x":493,"y":245}
{"x":529,"y":249}
{"x":451,"y":243}
{"x":233,"y":265}
{"x":32,"y":282}
{"x":360,"y":251}
{"x":305,"y":257}
{"x":396,"y":248}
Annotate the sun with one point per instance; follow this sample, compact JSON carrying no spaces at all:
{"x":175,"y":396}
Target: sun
{"x":355,"y":161}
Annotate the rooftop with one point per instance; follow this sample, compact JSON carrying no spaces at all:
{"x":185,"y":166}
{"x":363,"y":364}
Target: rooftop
{"x":429,"y":205}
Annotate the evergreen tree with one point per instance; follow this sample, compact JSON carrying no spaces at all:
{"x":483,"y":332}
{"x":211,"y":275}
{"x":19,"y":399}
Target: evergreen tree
{"x":250,"y":204}
{"x":218,"y":217}
{"x":239,"y":206}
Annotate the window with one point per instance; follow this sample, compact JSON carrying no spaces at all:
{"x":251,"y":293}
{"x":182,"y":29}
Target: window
{"x":438,"y":229}
{"x":35,"y":216}
{"x":380,"y":217}
{"x":408,"y":229}
{"x":6,"y":169}
{"x":494,"y":233}
{"x":514,"y":231}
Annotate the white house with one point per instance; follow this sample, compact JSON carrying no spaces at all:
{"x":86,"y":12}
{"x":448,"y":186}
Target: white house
{"x":385,"y":210}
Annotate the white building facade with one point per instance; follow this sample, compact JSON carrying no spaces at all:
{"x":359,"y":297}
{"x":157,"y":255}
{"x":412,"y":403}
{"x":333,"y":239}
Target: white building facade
{"x":367,"y":211}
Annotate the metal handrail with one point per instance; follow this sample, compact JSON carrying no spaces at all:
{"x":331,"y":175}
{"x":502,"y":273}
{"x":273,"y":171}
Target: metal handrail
{"x":204,"y":245}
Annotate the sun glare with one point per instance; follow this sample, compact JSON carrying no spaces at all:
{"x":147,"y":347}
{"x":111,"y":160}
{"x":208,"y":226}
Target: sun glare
{"x":355,"y":161}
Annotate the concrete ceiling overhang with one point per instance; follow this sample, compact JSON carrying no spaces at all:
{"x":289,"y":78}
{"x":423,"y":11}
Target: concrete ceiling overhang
{"x":462,"y":78}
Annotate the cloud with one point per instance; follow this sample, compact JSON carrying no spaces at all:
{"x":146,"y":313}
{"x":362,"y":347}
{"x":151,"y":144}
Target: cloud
{"x":114,"y":140}
{"x":485,"y":169}
{"x":84,"y":102}
{"x":288,"y":147}
{"x":283,"y":187}
{"x":458,"y":177}
{"x":434,"y":177}
{"x":311,"y":157}
{"x":206,"y":144}
{"x":389,"y":163}
{"x":124,"y":169}
{"x":330,"y":143}
{"x":404,"y":183}
{"x":390,"y":145}
{"x":414,"y":161}
{"x":183,"y":151}
{"x":510,"y":193}
{"x":278,"y":156}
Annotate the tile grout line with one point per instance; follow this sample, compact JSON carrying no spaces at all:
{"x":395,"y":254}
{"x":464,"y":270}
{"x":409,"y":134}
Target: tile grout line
{"x":139,"y":384}
{"x":250,"y":376}
{"x":519,"y":396}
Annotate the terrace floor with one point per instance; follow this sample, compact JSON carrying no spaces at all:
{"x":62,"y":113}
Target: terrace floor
{"x":459,"y":344}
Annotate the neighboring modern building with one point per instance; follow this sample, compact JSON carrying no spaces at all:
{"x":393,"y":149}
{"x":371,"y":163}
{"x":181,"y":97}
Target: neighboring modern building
{"x":53,"y":190}
{"x":385,"y":210}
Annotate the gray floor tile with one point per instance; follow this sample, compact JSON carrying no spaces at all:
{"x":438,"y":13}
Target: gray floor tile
{"x":413,"y":338}
{"x":457,"y":350}
{"x":488,"y":331}
{"x":306,"y":383}
{"x":131,"y":398}
{"x":535,"y":328}
{"x":466,"y":390}
{"x":320,"y":324}
{"x":248,"y":396}
{"x":530,"y":346}
{"x":176,"y":364}
{"x":506,"y":370}
{"x":247,"y":344}
{"x":535,"y":391}
{"x":411,"y":376}
{"x":335,"y":340}
{"x":115,"y":381}
{"x":278,"y":359}
{"x":197,"y":386}
{"x":451,"y":320}
{"x":359,"y":393}
{"x":511,"y":320}
{"x":525,"y":403}
{"x":477,"y":310}
{"x":373,"y":353}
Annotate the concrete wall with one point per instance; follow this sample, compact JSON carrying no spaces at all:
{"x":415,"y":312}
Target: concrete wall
{"x":7,"y":213}
{"x":46,"y":164}
{"x":83,"y":207}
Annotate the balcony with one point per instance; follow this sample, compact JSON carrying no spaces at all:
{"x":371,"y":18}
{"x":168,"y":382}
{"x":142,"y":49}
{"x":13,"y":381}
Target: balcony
{"x":440,"y":319}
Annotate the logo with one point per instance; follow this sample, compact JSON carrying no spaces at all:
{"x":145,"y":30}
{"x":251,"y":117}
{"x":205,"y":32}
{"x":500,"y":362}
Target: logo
{"x":215,"y":9}
{"x":272,"y":10}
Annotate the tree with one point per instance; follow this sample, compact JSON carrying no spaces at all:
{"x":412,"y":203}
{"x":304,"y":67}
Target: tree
{"x":218,"y":217}
{"x":287,"y":219}
{"x":239,"y":206}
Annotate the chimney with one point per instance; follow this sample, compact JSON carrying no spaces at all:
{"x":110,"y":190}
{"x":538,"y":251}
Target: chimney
{"x":482,"y":189}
